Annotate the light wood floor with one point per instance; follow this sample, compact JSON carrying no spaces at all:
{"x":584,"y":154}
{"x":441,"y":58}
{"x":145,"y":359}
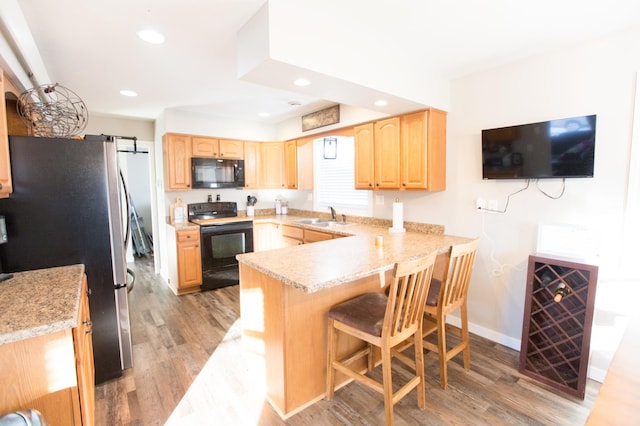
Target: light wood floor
{"x":174,"y":337}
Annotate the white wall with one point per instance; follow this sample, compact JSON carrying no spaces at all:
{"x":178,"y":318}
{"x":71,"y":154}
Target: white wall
{"x":593,"y":78}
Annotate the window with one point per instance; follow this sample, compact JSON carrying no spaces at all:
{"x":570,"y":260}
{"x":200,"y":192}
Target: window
{"x":334,"y":184}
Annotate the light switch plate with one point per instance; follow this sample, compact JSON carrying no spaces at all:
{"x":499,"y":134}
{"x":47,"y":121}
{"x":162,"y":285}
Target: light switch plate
{"x":379,"y":200}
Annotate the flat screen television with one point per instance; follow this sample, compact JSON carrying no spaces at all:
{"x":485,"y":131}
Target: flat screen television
{"x":561,"y":148}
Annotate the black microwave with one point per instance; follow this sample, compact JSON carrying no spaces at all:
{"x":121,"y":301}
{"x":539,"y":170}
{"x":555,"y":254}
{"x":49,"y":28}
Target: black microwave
{"x":217,"y":173}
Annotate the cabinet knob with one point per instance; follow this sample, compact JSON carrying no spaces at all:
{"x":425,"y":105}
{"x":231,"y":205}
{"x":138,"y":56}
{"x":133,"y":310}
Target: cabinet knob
{"x":88,"y":323}
{"x":370,"y":185}
{"x":404,"y":184}
{"x":0,"y":186}
{"x":89,"y":331}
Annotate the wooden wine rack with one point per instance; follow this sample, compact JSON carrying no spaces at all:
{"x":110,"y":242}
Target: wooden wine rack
{"x":556,"y":335}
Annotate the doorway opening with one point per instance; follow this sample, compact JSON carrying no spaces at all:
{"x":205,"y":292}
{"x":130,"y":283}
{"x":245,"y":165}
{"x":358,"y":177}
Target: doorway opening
{"x":137,"y":163}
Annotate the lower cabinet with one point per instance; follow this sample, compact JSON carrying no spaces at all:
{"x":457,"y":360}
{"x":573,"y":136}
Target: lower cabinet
{"x":185,"y":263}
{"x":311,"y":236}
{"x":266,"y":236}
{"x":52,"y":373}
{"x":291,"y":236}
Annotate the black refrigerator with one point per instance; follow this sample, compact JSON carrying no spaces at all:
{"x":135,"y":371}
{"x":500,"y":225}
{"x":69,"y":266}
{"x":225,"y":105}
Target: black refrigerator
{"x":66,"y":209}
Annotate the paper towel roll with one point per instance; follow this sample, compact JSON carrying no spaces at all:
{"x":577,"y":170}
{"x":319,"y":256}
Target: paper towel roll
{"x":397,"y":218}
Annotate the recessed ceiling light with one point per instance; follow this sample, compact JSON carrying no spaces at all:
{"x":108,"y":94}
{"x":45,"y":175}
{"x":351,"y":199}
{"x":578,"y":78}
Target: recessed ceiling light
{"x":151,"y":36}
{"x":264,"y":114}
{"x":301,"y":82}
{"x":294,"y":104}
{"x":380,"y":102}
{"x":129,"y":93}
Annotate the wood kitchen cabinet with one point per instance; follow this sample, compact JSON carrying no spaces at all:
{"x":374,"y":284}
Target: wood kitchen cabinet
{"x":386,"y":143}
{"x":406,"y":152}
{"x":377,"y":155}
{"x":291,"y":164}
{"x":185,"y":263}
{"x":6,"y":186}
{"x":252,"y":165}
{"x":272,"y":165}
{"x":304,"y":159}
{"x":311,"y":236}
{"x":294,"y":236}
{"x":266,"y":236}
{"x":176,"y":150}
{"x":291,"y":236}
{"x":423,"y":150}
{"x":52,"y":373}
{"x":202,"y":146}
{"x":82,"y":336}
{"x":364,"y":158}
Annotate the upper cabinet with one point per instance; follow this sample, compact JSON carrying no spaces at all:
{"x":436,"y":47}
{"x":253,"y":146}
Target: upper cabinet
{"x":304,"y":164}
{"x":386,"y":142}
{"x":176,"y":149}
{"x":202,"y":146}
{"x":272,"y":165}
{"x":6,"y":186}
{"x":291,"y":164}
{"x":424,"y":150}
{"x":252,"y":165}
{"x":363,"y":143}
{"x":407,"y":152}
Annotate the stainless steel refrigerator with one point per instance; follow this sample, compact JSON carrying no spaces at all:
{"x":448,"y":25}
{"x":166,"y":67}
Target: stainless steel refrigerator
{"x":66,"y":209}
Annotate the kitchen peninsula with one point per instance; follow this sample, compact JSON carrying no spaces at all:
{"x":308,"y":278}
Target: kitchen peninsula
{"x":286,"y":293}
{"x":46,"y":353}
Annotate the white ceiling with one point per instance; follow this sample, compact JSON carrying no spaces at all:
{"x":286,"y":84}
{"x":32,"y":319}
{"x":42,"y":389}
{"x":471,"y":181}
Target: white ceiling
{"x":90,"y":46}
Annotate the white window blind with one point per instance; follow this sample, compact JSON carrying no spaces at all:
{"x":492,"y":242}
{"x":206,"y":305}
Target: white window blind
{"x":334,"y":181}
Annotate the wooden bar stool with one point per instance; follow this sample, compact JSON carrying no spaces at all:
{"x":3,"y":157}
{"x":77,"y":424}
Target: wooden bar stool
{"x":385,"y":322}
{"x":446,"y":297}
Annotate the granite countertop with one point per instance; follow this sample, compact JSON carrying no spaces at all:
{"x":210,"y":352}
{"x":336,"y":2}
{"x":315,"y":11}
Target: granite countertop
{"x":39,"y":302}
{"x":324,"y":264}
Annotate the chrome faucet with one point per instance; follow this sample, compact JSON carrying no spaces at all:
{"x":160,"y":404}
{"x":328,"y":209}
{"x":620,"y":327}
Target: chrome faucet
{"x":333,"y":214}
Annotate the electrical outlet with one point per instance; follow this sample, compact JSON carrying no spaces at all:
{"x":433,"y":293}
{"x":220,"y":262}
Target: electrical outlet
{"x":493,"y":205}
{"x":310,"y":196}
{"x":379,"y":200}
{"x":481,"y":204}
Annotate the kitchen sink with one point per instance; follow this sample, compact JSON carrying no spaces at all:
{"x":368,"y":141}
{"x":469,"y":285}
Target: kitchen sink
{"x":314,"y":221}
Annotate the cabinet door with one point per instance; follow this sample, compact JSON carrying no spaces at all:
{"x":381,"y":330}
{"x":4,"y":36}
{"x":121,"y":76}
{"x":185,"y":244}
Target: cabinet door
{"x":305,"y":165}
{"x":424,"y":155}
{"x":291,"y":164}
{"x":387,"y":153}
{"x":6,"y":186}
{"x":251,"y":165}
{"x":189,"y":259}
{"x":437,"y":150}
{"x":272,"y":165}
{"x":266,"y":236}
{"x":231,"y":149}
{"x":311,"y":236}
{"x":84,"y":360}
{"x":204,"y":147}
{"x":177,"y":154}
{"x":414,"y":151}
{"x":364,"y":159}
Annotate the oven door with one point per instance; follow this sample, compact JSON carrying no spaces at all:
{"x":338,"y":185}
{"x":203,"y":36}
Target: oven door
{"x":219,"y":246}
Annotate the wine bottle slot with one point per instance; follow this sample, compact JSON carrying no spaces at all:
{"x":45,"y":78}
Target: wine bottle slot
{"x":560,"y":292}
